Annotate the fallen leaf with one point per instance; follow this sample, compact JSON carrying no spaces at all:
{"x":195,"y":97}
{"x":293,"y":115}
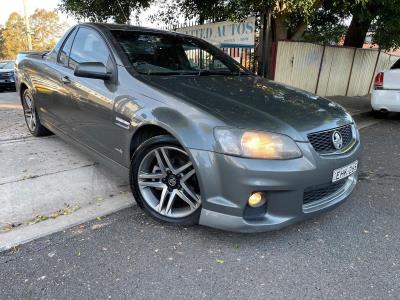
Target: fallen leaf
{"x":98,"y":226}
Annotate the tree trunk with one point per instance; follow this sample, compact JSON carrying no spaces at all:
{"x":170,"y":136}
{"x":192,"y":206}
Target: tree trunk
{"x":281,"y":30}
{"x":299,"y":32}
{"x":357,"y":32}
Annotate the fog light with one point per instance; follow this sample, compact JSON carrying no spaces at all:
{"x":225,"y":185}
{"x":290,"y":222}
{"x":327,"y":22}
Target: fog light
{"x":256,"y":199}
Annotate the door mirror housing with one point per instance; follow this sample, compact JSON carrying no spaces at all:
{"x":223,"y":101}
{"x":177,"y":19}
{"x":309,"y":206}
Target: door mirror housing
{"x":96,"y":70}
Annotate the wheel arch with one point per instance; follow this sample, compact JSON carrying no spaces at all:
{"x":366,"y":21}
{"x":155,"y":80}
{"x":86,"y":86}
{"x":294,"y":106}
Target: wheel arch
{"x":145,"y":132}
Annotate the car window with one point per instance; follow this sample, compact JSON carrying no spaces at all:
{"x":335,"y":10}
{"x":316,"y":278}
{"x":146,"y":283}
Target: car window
{"x":64,"y":53}
{"x":396,"y":65}
{"x":7,"y":65}
{"x":159,"y":53}
{"x":88,"y":47}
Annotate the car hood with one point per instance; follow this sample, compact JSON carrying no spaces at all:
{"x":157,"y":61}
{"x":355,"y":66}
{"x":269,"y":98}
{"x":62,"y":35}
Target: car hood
{"x":6,"y":70}
{"x":255,"y":103}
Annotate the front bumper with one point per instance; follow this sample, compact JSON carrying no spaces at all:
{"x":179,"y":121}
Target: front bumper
{"x":7,"y":85}
{"x":226,"y":182}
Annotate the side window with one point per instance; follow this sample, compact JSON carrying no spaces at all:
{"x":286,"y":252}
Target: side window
{"x":88,"y":47}
{"x":64,"y":53}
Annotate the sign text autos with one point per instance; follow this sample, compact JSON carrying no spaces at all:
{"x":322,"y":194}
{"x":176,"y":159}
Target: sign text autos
{"x":224,"y":34}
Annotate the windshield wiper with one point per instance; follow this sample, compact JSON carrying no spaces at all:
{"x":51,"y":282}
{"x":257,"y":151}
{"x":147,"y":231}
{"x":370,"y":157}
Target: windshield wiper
{"x":202,"y":72}
{"x":167,"y":73}
{"x":211,"y":72}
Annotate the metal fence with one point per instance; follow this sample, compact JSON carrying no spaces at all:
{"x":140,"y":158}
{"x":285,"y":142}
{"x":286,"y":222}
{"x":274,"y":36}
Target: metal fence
{"x":329,"y":70}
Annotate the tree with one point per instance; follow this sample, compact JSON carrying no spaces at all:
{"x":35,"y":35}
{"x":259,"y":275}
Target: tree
{"x":379,"y":16}
{"x":169,"y":11}
{"x":14,"y":35}
{"x":46,"y":29}
{"x":103,"y":10}
{"x":328,"y":25}
{"x":1,"y":43}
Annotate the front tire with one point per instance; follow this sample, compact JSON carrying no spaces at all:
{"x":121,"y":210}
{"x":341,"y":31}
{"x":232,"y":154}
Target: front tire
{"x":31,"y":116}
{"x":164,"y":183}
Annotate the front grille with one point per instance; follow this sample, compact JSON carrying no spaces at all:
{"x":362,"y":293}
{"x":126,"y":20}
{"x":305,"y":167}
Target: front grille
{"x":322,"y":141}
{"x":7,"y":75}
{"x":319,"y":192}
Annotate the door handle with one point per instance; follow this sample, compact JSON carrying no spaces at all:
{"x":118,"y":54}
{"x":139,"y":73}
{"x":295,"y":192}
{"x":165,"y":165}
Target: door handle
{"x":65,"y":80}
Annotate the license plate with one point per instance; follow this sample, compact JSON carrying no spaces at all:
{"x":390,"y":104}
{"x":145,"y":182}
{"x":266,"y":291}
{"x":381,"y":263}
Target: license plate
{"x":2,"y":80}
{"x":345,"y":171}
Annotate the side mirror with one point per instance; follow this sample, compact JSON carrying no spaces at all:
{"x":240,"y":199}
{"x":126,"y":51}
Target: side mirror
{"x":96,"y":70}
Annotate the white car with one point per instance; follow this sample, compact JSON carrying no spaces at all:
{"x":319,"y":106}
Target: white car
{"x":385,"y":96}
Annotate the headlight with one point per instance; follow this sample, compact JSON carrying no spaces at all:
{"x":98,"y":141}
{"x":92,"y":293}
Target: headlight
{"x":256,"y":144}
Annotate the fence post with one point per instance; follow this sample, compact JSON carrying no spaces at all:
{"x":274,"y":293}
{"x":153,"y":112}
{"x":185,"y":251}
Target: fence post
{"x":320,"y":68}
{"x":351,"y":71}
{"x":373,"y":73}
{"x":273,"y":61}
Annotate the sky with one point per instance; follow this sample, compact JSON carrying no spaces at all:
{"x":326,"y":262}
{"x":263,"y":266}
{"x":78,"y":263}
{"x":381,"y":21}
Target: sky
{"x":9,"y":6}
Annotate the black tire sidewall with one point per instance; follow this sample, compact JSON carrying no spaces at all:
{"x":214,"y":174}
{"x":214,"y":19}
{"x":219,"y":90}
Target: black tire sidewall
{"x":40,"y":130}
{"x":140,"y":153}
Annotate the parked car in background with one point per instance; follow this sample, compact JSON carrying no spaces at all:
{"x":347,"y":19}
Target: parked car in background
{"x":202,"y":139}
{"x":7,"y":78}
{"x":385,"y":96}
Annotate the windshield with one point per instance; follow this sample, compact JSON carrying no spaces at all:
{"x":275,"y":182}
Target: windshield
{"x":7,"y":65}
{"x":167,"y":54}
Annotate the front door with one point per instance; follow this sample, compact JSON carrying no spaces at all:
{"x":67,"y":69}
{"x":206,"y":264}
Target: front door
{"x":93,"y":97}
{"x":52,"y":91}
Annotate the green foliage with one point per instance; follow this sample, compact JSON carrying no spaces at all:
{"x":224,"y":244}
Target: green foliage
{"x":328,"y":26}
{"x":1,"y":44}
{"x":45,"y":30}
{"x":14,"y":35}
{"x":386,"y":23}
{"x":169,"y":12}
{"x":103,"y":10}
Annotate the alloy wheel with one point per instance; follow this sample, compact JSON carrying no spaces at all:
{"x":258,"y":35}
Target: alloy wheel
{"x":168,"y":183}
{"x":29,"y":112}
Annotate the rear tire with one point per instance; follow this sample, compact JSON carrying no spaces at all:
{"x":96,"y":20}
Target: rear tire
{"x":31,"y":116}
{"x":380,"y":114}
{"x":164,"y":183}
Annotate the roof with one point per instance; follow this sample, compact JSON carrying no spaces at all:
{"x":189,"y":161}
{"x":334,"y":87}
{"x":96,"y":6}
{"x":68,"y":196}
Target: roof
{"x":113,"y":26}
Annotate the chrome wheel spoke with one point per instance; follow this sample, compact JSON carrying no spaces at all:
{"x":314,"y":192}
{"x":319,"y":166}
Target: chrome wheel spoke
{"x":186,"y":199}
{"x":184,"y":167}
{"x":160,"y":205}
{"x":167,"y":160}
{"x":151,"y":175}
{"x":188,"y":175}
{"x":171,"y":201}
{"x":31,"y":122}
{"x":191,"y":194}
{"x":152,"y":184}
{"x":160,"y":162}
